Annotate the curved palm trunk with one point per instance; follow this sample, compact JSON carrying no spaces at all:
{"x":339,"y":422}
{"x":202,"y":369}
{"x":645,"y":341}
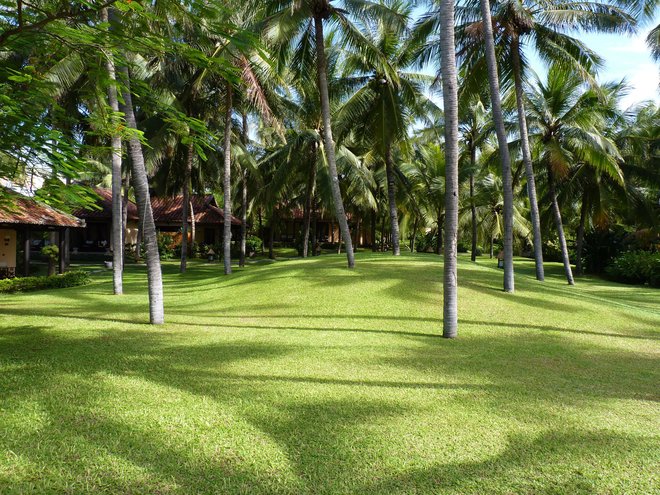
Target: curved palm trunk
{"x":117,"y":224}
{"x":580,"y":238}
{"x":450,"y":100}
{"x":226,"y":186}
{"x":527,"y":159}
{"x":391,"y":196}
{"x":503,"y":145}
{"x":309,"y":198}
{"x":141,"y":186}
{"x":321,"y":64}
{"x":556,"y":213}
{"x":184,"y":209}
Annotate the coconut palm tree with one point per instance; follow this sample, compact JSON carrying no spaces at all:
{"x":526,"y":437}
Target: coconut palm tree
{"x":387,"y":97}
{"x":569,"y":129}
{"x":450,"y":100}
{"x":544,"y":25}
{"x":297,"y":27}
{"x":503,"y":146}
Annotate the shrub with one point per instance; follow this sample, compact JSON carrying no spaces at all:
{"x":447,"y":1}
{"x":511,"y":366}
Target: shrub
{"x":462,"y":247}
{"x":165,"y":246}
{"x":253,"y":244}
{"x":635,"y":267}
{"x":425,"y":242}
{"x":27,"y":284}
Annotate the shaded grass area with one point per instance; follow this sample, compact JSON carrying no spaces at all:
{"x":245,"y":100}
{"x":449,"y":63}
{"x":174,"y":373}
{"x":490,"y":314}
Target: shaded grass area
{"x":302,"y":377}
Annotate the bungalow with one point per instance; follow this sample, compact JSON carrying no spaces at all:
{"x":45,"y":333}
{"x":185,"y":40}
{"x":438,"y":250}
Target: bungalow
{"x":21,"y":218}
{"x":206,"y":226}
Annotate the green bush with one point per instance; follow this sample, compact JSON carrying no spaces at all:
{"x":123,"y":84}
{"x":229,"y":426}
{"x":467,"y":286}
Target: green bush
{"x":165,"y":246}
{"x":462,"y":247}
{"x":253,"y":244}
{"x":27,"y":284}
{"x":635,"y":267}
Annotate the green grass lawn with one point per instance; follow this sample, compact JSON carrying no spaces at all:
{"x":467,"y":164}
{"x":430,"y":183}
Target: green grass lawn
{"x":301,"y":377}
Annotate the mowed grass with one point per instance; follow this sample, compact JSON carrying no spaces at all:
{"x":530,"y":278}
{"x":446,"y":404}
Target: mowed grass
{"x":300,"y":377}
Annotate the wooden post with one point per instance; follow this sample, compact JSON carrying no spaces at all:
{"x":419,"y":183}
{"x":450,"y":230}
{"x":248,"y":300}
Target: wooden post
{"x":26,"y":252}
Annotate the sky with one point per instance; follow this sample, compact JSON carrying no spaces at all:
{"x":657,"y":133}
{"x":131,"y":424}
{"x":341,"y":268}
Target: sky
{"x":626,"y":57}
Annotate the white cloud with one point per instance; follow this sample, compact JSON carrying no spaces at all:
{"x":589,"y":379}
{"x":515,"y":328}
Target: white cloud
{"x":645,"y":85}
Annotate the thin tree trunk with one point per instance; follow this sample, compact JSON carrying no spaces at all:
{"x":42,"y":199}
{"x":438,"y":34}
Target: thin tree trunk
{"x":261,"y":230}
{"x":184,"y":208}
{"x":391,"y":197}
{"x":141,"y":186}
{"x":450,"y":100}
{"x":315,"y":231}
{"x":373,"y":232}
{"x":527,"y":159}
{"x":226,"y":186}
{"x":117,"y":230}
{"x":438,"y":245}
{"x":560,"y":228}
{"x":503,"y":145}
{"x":321,"y":64}
{"x":414,"y":236}
{"x":492,"y":242}
{"x":473,"y":207}
{"x":244,"y":196}
{"x":124,"y":211}
{"x":193,"y":225}
{"x":309,"y":197}
{"x":271,"y":238}
{"x":580,"y":238}
{"x":382,"y":236}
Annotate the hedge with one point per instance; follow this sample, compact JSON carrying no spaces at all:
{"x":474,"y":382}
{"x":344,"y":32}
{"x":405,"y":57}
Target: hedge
{"x":27,"y":284}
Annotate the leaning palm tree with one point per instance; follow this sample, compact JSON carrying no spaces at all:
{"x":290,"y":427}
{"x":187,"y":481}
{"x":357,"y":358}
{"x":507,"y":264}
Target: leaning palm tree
{"x":143,"y":199}
{"x":503,"y":146}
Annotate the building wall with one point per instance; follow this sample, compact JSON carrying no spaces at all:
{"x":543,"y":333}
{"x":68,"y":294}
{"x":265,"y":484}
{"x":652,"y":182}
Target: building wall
{"x":8,"y":248}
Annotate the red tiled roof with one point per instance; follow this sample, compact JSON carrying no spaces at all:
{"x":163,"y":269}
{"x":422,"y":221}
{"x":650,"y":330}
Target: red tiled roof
{"x":169,"y":210}
{"x":105,"y":203}
{"x":22,"y":210}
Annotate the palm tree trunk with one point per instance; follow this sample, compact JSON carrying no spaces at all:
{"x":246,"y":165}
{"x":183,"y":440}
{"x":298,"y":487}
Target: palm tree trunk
{"x":473,"y":207}
{"x":580,"y":238}
{"x":414,"y":236}
{"x":244,"y":196}
{"x":382,"y":236}
{"x":124,"y":211}
{"x":438,"y":245}
{"x":271,"y":237}
{"x":309,"y":196}
{"x":527,"y":159}
{"x":193,"y":225}
{"x":391,"y":197}
{"x":226,"y":185}
{"x":503,"y":145}
{"x":560,"y":228}
{"x":141,"y":186}
{"x":450,"y":100}
{"x":321,"y":64}
{"x":117,"y":230}
{"x":184,"y":208}
{"x":373,"y":232}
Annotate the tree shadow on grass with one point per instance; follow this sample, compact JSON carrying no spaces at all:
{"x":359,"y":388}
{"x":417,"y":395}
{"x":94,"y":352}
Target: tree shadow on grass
{"x":528,"y":465}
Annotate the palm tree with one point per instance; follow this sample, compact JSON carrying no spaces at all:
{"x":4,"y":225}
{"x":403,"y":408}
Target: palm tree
{"x":503,"y":145}
{"x":569,"y":130}
{"x":450,"y":99}
{"x":142,"y":196}
{"x":298,"y":28}
{"x":543,"y":25}
{"x":387,"y":98}
{"x":117,"y":222}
